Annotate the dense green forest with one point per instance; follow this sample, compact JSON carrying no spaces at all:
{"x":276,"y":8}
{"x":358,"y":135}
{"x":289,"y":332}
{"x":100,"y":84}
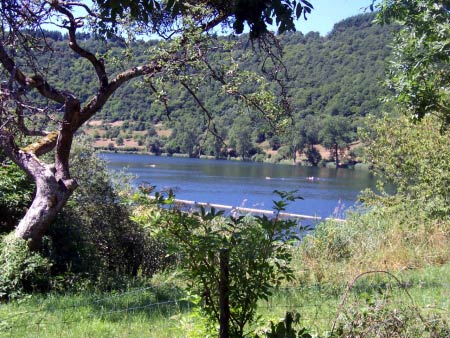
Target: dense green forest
{"x":332,"y":83}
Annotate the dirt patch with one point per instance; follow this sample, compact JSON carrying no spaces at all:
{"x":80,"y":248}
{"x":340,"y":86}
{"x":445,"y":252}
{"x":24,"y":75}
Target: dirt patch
{"x":95,"y":123}
{"x":117,"y":124}
{"x":164,"y":132}
{"x":324,"y":152}
{"x":101,"y":143}
{"x":128,"y":143}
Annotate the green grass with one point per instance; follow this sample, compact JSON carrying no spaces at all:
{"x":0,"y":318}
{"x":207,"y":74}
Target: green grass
{"x":412,"y":294}
{"x":426,"y":291}
{"x":143,"y":312}
{"x":130,"y":314}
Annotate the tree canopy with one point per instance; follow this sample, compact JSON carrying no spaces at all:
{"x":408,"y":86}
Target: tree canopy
{"x":420,"y":69}
{"x":257,"y":15}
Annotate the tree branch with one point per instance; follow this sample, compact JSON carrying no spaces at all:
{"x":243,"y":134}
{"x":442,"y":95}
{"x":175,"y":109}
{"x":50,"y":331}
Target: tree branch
{"x":73,"y":44}
{"x":36,"y":81}
{"x":21,"y":123}
{"x":211,"y":124}
{"x":97,"y":102}
{"x":28,"y":162}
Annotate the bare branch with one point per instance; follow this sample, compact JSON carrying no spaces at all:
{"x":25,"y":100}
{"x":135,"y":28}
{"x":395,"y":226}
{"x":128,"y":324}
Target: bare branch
{"x":163,"y":99}
{"x":211,"y":124}
{"x":21,"y":123}
{"x":86,"y":8}
{"x":73,"y":44}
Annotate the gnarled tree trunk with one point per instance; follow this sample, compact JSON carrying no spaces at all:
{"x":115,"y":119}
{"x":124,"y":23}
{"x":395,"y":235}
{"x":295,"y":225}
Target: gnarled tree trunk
{"x":51,"y":196}
{"x":53,"y":184}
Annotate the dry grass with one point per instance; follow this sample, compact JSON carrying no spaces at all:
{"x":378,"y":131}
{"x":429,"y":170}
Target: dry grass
{"x":393,"y":241}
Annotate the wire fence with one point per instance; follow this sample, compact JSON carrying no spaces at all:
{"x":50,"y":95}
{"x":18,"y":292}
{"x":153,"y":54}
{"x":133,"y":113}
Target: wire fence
{"x":149,"y":312}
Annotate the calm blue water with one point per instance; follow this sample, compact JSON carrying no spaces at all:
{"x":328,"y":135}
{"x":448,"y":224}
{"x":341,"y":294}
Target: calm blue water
{"x":247,"y":184}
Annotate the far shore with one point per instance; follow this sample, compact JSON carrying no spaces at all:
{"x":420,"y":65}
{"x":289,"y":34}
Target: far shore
{"x":326,"y":164}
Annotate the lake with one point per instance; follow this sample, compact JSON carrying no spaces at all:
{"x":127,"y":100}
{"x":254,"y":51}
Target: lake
{"x":248,"y":184}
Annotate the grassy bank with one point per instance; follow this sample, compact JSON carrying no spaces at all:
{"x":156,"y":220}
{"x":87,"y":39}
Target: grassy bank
{"x":383,"y":273}
{"x":421,"y":297}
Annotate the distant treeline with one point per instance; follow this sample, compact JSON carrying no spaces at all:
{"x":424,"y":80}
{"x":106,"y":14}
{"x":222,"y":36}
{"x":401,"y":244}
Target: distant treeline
{"x":334,"y":82}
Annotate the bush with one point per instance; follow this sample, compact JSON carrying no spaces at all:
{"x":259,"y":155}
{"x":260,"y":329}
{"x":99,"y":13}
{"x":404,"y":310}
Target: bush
{"x":94,"y":235}
{"x":258,"y":158}
{"x":253,"y":252}
{"x":362,"y":166}
{"x":92,"y":239}
{"x":21,"y":271}
{"x":16,"y":192}
{"x":330,"y":165}
{"x":413,"y":157}
{"x":313,"y":156}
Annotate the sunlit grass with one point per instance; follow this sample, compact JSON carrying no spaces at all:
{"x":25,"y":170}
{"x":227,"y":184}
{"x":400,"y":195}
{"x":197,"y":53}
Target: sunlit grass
{"x":143,"y":312}
{"x":93,"y":315}
{"x":394,"y":240}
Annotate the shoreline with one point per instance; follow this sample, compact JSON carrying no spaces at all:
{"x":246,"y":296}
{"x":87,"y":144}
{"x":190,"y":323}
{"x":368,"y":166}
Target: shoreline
{"x":328,"y":164}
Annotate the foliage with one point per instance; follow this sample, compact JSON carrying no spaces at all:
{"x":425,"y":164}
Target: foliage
{"x":285,"y":328}
{"x":420,"y":67}
{"x":415,"y":158}
{"x":335,"y":74}
{"x":378,"y":315}
{"x":256,"y":15}
{"x":240,"y":137}
{"x":257,"y":247}
{"x":16,"y":192}
{"x":92,"y":240}
{"x":336,"y":134}
{"x":94,"y":236}
{"x":21,"y":271}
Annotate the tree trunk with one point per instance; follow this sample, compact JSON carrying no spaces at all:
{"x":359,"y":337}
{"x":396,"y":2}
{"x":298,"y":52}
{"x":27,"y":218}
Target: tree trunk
{"x":53,"y":183}
{"x":51,"y":196}
{"x":336,"y":155}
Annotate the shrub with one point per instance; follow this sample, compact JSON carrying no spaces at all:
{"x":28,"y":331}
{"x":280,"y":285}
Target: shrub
{"x":94,"y":234}
{"x":288,"y":327}
{"x":330,"y":165}
{"x":21,"y":271}
{"x":92,"y":239}
{"x":258,"y":158}
{"x":313,"y":156}
{"x":413,"y":157}
{"x":253,"y":250}
{"x":16,"y":192}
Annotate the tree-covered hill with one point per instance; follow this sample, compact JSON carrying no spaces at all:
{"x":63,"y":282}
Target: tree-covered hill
{"x":332,"y":81}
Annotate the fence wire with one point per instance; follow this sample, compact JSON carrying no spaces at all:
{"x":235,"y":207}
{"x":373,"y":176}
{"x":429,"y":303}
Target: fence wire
{"x":144,"y":313}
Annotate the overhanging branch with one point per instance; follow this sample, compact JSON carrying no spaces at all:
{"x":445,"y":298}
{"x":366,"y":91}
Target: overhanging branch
{"x":73,"y":43}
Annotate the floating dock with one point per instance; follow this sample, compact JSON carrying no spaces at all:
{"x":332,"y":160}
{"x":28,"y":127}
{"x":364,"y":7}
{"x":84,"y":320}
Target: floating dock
{"x":242,"y":210}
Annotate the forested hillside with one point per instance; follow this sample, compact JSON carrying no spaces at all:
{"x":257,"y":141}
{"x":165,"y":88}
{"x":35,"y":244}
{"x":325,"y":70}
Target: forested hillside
{"x":333,"y":82}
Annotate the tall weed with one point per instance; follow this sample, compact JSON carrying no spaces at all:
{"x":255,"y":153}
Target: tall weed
{"x":386,"y":238}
